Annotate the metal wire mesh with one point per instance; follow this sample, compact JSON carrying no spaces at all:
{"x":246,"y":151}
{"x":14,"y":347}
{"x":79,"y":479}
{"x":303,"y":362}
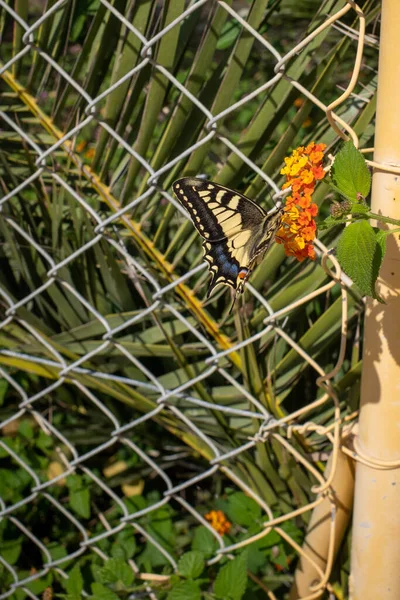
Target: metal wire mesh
{"x":177,"y":402}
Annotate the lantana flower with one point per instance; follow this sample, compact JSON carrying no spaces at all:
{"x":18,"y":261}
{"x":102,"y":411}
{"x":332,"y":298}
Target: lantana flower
{"x":218,"y":521}
{"x":298,"y":228}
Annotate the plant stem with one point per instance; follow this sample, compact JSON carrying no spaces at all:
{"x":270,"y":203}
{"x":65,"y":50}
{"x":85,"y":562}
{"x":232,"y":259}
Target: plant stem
{"x":383,"y":219}
{"x":390,"y":231}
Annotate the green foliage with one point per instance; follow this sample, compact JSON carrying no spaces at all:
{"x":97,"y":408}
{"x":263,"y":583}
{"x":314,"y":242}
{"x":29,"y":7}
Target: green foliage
{"x":151,"y":115}
{"x":74,"y":584}
{"x":231,"y":580}
{"x":229,"y":34}
{"x":350,"y":173}
{"x":79,"y":495}
{"x":100,"y":592}
{"x":191,"y":564}
{"x":125,"y":545}
{"x":242,"y":509}
{"x":117,"y":572}
{"x":185,"y":590}
{"x":361,"y":248}
{"x":361,"y":256}
{"x":204,"y":541}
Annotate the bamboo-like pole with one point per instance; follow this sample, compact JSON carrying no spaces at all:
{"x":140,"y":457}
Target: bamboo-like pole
{"x":316,"y":546}
{"x":375,"y":561}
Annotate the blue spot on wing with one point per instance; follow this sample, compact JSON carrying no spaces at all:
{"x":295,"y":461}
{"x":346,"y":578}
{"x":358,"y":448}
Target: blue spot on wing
{"x":217,"y":255}
{"x":234,"y":270}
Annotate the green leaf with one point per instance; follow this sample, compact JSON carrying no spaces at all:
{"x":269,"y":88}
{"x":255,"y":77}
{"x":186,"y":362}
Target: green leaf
{"x":25,"y":429}
{"x":39,"y":585}
{"x":242,"y":510}
{"x":116,"y":570}
{"x":102,"y":593}
{"x":256,"y":559}
{"x":3,"y":390}
{"x":191,"y":564}
{"x":204,"y":541}
{"x":125,"y":544}
{"x":350,"y":173}
{"x":229,"y":34}
{"x":360,"y":255}
{"x":231,"y":580}
{"x":11,"y":549}
{"x":79,"y":497}
{"x":381,"y":237}
{"x":185,"y":590}
{"x":74,"y":583}
{"x":359,"y":208}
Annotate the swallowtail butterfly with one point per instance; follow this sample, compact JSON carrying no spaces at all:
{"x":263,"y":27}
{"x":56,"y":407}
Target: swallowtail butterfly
{"x":235,"y":229}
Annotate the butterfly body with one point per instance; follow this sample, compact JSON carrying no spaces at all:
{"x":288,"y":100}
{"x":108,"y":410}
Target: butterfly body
{"x":236,"y":231}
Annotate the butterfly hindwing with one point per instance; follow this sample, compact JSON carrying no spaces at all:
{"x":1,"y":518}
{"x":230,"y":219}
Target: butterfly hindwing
{"x":235,"y":229}
{"x":223,"y":267}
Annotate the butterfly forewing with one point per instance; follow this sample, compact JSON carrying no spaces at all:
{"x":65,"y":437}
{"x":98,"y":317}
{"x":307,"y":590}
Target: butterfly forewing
{"x":235,"y":229}
{"x":216,"y":211}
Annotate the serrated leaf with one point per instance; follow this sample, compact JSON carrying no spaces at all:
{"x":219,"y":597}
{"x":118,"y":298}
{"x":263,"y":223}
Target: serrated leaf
{"x":97,"y":572}
{"x":102,"y":593}
{"x":360,"y":255}
{"x":74,"y":583}
{"x":379,"y":255}
{"x":185,"y":590}
{"x":242,"y":510}
{"x":117,"y":570}
{"x":256,"y":559}
{"x":350,"y":173}
{"x":117,"y":551}
{"x":381,"y":237}
{"x":10,"y":550}
{"x":231,"y":580}
{"x":191,"y":564}
{"x":25,"y":429}
{"x":204,"y":541}
{"x":360,"y":208}
{"x":79,"y":497}
{"x":126,"y":543}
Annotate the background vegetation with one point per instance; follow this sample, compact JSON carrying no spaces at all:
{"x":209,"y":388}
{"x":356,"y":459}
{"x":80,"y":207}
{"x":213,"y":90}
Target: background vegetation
{"x":219,"y":63}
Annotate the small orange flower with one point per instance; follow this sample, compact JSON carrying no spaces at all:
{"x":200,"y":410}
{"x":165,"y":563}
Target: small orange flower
{"x":81,"y":146}
{"x":218,"y":521}
{"x":298,"y":228}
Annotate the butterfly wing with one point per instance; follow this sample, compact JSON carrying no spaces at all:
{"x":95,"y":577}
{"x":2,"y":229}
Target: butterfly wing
{"x":235,"y":229}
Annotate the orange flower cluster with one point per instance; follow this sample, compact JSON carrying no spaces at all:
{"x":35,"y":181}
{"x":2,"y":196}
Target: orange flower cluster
{"x":298,"y":228}
{"x":218,"y":521}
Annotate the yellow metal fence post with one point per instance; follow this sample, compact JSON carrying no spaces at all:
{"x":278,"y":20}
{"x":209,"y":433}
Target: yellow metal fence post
{"x":375,"y":561}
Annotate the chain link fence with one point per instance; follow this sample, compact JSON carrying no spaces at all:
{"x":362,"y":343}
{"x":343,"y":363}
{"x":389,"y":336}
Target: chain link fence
{"x":177,"y":405}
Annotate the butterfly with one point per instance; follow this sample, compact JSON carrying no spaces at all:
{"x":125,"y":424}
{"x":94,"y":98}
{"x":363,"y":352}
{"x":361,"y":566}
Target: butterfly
{"x":236,"y":230}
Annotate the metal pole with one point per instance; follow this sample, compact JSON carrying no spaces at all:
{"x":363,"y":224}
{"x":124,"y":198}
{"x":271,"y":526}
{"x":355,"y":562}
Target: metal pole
{"x":317,"y":544}
{"x":375,"y":561}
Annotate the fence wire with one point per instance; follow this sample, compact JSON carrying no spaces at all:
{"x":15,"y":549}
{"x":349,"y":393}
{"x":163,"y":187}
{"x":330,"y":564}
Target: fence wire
{"x":177,"y":404}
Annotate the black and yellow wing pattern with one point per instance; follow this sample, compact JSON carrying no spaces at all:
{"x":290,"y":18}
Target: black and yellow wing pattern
{"x":235,"y":229}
